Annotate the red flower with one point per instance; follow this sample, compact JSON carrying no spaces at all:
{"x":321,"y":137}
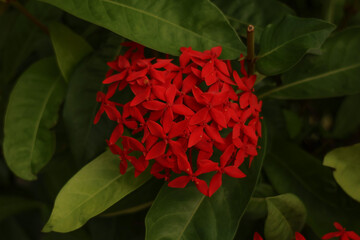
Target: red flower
{"x":230,"y":170}
{"x":341,"y":233}
{"x":175,"y":115}
{"x":257,"y":236}
{"x":298,"y":236}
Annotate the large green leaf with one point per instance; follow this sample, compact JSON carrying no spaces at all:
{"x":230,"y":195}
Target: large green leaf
{"x":256,"y":12}
{"x":70,"y":48}
{"x":347,"y":120}
{"x":280,"y":49}
{"x":32,"y":111}
{"x":346,"y":164}
{"x":96,"y":187}
{"x":286,"y":215}
{"x":160,"y":24}
{"x":187,"y":214}
{"x":86,"y":139}
{"x":291,"y":170}
{"x":334,"y":73}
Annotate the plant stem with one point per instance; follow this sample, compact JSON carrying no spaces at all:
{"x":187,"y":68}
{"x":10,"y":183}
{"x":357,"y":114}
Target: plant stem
{"x":27,"y":14}
{"x":251,"y":49}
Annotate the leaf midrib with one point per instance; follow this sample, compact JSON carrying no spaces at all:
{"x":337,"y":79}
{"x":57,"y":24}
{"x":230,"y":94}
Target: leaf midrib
{"x":281,"y":215}
{"x":304,"y":80}
{"x":288,"y":42}
{"x":165,"y":21}
{"x":92,"y":195}
{"x":191,"y":216}
{"x":38,"y":121}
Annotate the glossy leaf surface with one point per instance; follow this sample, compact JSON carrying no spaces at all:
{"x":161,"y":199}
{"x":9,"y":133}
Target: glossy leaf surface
{"x":96,"y":187}
{"x":286,"y":215}
{"x":280,"y":49}
{"x":159,"y":24}
{"x":70,"y":48}
{"x":334,"y":73}
{"x":32,"y":111}
{"x":346,"y":165}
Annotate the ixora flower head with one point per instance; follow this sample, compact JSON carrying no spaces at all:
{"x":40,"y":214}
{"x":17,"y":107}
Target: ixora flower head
{"x":181,"y":116}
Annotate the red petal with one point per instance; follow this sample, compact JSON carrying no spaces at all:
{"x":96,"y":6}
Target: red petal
{"x":137,"y":74}
{"x":338,"y":226}
{"x":239,"y":82}
{"x":159,"y":92}
{"x":216,"y":51}
{"x":116,"y":134}
{"x":205,"y":166}
{"x":154,"y":105}
{"x":220,"y":98}
{"x":218,"y":117}
{"x":331,"y":235}
{"x":156,"y":151}
{"x":234,"y":172}
{"x":196,"y":136}
{"x":98,"y":115}
{"x":170,"y":94}
{"x":222,"y":67}
{"x":198,"y":94}
{"x":257,"y":236}
{"x":225,"y":157}
{"x":213,"y":134}
{"x":178,"y":129}
{"x":240,"y":158}
{"x":167,"y":120}
{"x":353,"y":235}
{"x":182,"y":110}
{"x":180,"y":182}
{"x":199,"y":117}
{"x":250,"y":132}
{"x":202,"y":186}
{"x":123,"y":166}
{"x":156,"y":129}
{"x":115,"y":77}
{"x":215,"y":183}
{"x":244,"y":99}
{"x":298,"y":236}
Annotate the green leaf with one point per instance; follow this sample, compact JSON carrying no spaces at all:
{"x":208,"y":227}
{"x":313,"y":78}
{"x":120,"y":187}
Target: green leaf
{"x":32,"y":111}
{"x":347,"y":120}
{"x":187,"y":214}
{"x":96,"y":187}
{"x":70,"y":48}
{"x":86,"y":139}
{"x":346,"y":164}
{"x":160,"y":24}
{"x":291,"y":170}
{"x":334,"y":73}
{"x":286,"y":215}
{"x":280,"y":49}
{"x":11,"y":205}
{"x":256,"y":12}
{"x":20,"y":38}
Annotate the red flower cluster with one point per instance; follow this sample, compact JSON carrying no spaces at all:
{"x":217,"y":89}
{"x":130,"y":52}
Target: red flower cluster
{"x":341,"y":234}
{"x":180,"y":111}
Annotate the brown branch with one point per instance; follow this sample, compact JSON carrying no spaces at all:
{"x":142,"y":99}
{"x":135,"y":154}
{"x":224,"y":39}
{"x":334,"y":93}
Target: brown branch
{"x":251,"y":49}
{"x":27,"y":14}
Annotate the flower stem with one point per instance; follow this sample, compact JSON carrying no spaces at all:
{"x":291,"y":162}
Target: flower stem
{"x":27,"y":14}
{"x":251,"y":49}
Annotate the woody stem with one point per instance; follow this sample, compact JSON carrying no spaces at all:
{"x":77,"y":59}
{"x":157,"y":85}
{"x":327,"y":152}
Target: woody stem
{"x":27,"y":14}
{"x":250,"y":49}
